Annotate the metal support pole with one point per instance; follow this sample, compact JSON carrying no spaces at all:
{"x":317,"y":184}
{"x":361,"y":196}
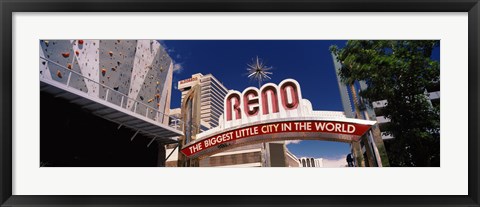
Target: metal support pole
{"x":68,"y":80}
{"x":135,"y":107}
{"x":106,"y":95}
{"x":171,"y":152}
{"x":148,"y":145}
{"x":133,"y":137}
{"x":375,"y":149}
{"x":121,"y":102}
{"x":119,"y":126}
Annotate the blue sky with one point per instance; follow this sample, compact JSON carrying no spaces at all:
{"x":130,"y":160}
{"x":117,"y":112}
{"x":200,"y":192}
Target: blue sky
{"x":307,"y":61}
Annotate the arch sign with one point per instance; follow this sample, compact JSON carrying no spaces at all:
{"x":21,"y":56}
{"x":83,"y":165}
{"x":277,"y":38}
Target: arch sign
{"x":273,"y":113}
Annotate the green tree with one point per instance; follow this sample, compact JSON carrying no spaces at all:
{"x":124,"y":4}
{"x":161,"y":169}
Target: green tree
{"x":399,"y":72}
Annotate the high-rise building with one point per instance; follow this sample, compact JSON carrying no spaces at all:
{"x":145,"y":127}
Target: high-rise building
{"x":212,"y":94}
{"x":366,"y":149}
{"x":432,"y":94}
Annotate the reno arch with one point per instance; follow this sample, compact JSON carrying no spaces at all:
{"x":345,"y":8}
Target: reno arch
{"x":269,"y":99}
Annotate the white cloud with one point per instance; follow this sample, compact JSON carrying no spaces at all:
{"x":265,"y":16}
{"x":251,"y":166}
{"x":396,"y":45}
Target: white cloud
{"x":340,"y":162}
{"x":292,"y":142}
{"x":177,"y":68}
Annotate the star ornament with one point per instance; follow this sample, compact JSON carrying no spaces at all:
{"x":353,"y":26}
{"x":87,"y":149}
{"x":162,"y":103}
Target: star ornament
{"x":258,"y":71}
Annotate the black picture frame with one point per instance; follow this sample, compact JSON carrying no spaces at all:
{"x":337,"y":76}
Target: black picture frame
{"x":9,"y":6}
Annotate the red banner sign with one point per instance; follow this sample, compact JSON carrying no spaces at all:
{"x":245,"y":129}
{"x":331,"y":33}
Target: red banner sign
{"x":346,"y":128}
{"x":188,"y":80}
